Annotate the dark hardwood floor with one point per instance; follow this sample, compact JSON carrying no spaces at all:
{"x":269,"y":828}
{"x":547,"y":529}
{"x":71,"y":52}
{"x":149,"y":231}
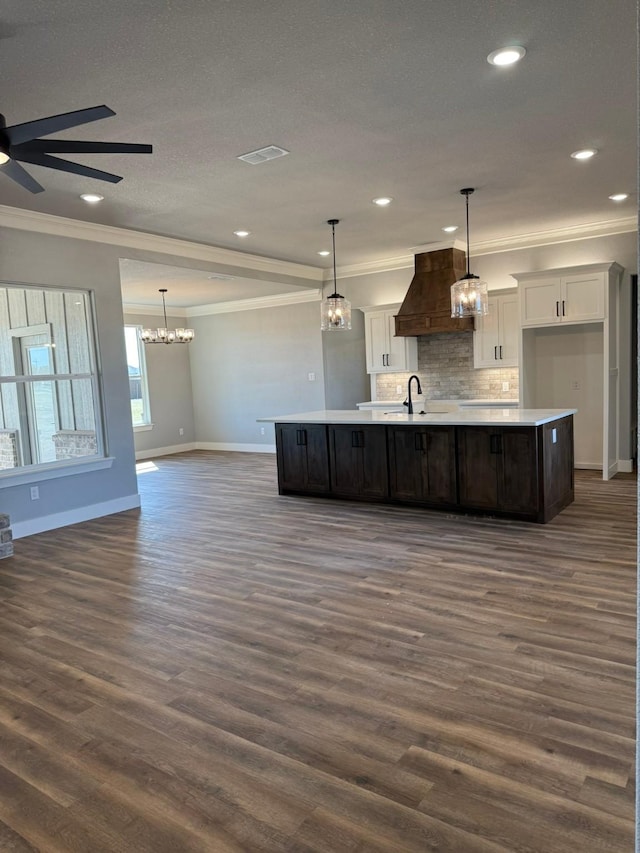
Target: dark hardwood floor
{"x":230,"y":670}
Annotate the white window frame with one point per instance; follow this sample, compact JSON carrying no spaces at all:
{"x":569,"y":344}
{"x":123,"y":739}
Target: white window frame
{"x":35,"y":472}
{"x":147,"y":424}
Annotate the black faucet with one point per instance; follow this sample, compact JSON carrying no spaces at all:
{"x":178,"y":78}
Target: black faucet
{"x":408,"y":402}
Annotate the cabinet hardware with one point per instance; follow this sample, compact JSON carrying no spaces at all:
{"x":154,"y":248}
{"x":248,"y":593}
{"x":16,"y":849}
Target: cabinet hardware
{"x":563,"y":311}
{"x":495,"y":353}
{"x":495,"y":444}
{"x":357,"y":438}
{"x":557,"y":308}
{"x":301,"y":437}
{"x":500,"y":350}
{"x":417,"y":440}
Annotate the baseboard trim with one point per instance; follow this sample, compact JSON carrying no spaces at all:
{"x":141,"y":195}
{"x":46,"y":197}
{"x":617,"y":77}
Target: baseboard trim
{"x":239,"y":448}
{"x":73,"y":516}
{"x":166,"y":451}
{"x":588,"y":466}
{"x":625,"y":466}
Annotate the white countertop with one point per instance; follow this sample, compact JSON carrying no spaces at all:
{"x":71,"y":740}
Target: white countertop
{"x":475,"y":416}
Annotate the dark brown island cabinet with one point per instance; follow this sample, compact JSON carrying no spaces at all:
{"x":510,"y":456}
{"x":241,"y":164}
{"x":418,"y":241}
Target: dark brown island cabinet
{"x":523,"y":472}
{"x":303,"y":458}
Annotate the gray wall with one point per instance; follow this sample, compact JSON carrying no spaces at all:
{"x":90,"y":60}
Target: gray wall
{"x":346,"y":382}
{"x":30,"y":258}
{"x":170,"y":396}
{"x":249,"y":364}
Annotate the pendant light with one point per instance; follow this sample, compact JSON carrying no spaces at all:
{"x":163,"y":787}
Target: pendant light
{"x":469,"y":295}
{"x":335,"y":315}
{"x":164,"y":335}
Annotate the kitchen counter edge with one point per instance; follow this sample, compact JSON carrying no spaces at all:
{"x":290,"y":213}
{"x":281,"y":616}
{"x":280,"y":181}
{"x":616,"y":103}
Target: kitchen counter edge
{"x":466,"y":417}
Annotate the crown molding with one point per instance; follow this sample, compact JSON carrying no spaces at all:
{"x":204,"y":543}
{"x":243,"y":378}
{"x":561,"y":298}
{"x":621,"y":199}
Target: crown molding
{"x":152,"y":310}
{"x":608,"y":228}
{"x":275,"y":301}
{"x":59,"y":226}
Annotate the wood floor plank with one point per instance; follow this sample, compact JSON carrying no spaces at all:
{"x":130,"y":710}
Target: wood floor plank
{"x":229,"y":670}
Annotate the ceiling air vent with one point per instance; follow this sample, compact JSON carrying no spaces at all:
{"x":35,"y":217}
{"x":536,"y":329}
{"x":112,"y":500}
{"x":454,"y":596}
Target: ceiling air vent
{"x":263,"y":154}
{"x":220,"y":277}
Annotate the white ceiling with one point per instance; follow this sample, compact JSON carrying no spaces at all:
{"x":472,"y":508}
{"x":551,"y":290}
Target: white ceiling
{"x":371,"y":97}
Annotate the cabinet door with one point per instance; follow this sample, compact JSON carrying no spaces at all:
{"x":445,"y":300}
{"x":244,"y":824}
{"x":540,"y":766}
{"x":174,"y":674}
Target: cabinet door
{"x":540,"y":302}
{"x":583,"y":297}
{"x":486,"y":336}
{"x":396,"y":347}
{"x":359,"y":461}
{"x":376,"y":334}
{"x":303,"y":459}
{"x":509,"y":331}
{"x":406,"y":450}
{"x":477,"y":467}
{"x":518,"y":472}
{"x":375,"y":469}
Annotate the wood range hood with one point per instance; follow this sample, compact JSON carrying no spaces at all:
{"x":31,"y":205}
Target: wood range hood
{"x":427,"y":306}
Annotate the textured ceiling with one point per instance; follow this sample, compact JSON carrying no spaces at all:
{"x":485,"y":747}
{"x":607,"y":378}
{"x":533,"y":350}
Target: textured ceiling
{"x":371,"y":97}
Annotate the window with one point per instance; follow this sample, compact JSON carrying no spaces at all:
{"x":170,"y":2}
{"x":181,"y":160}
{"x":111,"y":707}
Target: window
{"x":138,"y":389}
{"x":49,"y":390}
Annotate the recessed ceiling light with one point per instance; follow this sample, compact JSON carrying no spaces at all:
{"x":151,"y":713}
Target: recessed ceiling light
{"x":382,"y":202}
{"x":450,"y":228}
{"x":619,"y":197}
{"x":584,"y":154}
{"x":506,"y":55}
{"x":4,"y":158}
{"x":242,"y":233}
{"x":92,"y":198}
{"x":324,"y":253}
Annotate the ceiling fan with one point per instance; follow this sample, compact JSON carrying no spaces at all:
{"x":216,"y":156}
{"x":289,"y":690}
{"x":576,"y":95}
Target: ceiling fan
{"x":20,"y":142}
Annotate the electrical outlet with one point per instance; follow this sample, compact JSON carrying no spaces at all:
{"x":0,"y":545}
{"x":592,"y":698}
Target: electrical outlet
{"x":575,"y":385}
{"x":261,"y":430}
{"x":312,"y":377}
{"x":35,"y":493}
{"x":505,"y":386}
{"x":398,"y":389}
{"x":181,"y":431}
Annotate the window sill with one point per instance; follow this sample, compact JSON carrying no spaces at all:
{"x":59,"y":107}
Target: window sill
{"x":51,"y":471}
{"x":142,"y":427}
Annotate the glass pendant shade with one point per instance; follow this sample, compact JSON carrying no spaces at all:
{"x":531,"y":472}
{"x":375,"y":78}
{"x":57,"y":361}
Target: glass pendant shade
{"x":469,"y":297}
{"x":335,"y":314}
{"x":335,"y":310}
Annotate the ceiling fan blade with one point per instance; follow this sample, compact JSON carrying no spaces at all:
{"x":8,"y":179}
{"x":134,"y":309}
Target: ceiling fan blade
{"x":15,"y":171}
{"x":39,"y":159}
{"x":18,"y":133}
{"x":64,"y":146}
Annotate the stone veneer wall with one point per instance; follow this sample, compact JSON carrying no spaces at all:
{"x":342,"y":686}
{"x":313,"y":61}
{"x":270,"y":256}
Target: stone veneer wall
{"x":8,"y":448}
{"x":72,"y":443}
{"x":446,"y":371}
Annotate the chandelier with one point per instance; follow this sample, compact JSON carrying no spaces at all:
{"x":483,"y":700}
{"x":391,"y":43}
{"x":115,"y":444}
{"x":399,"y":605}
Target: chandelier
{"x":335,"y":311}
{"x":469,"y":295}
{"x":164,"y":335}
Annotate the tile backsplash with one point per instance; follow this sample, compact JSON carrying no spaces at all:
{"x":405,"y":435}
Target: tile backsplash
{"x":446,"y":371}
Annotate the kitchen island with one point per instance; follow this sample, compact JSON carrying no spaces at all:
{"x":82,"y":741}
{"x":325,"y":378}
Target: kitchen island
{"x":509,"y":462}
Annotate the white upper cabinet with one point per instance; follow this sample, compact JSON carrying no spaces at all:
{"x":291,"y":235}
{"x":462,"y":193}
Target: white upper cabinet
{"x":496,"y":338}
{"x":572,"y":295}
{"x":387,"y":353}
